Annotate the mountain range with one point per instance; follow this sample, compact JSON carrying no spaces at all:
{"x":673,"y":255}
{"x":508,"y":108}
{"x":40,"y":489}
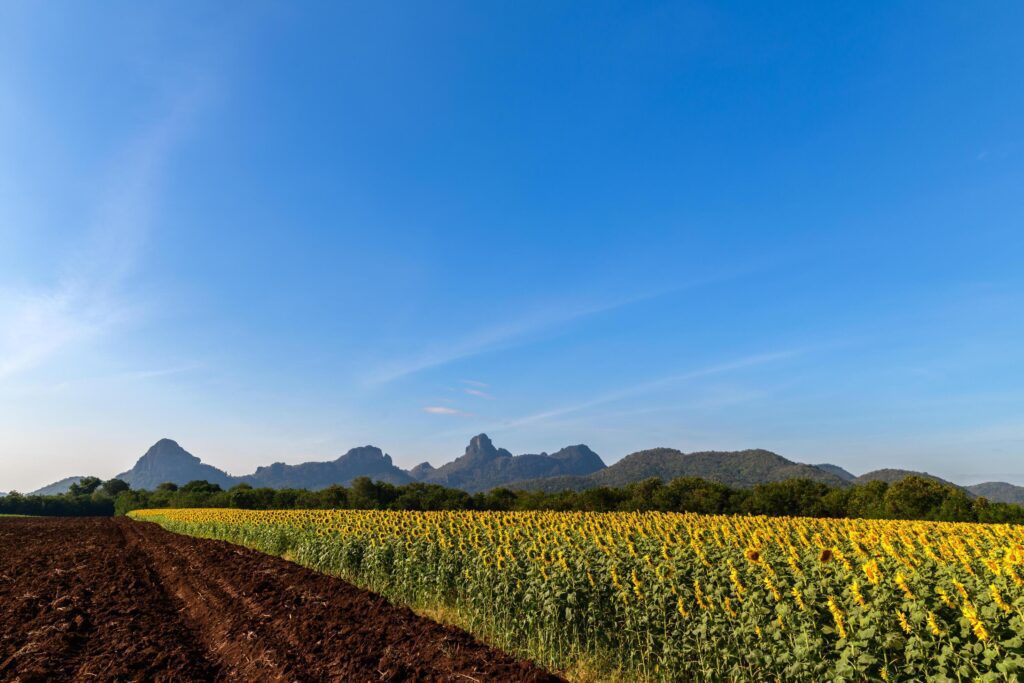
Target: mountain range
{"x":732,"y":468}
{"x":367,"y":461}
{"x":483,"y":466}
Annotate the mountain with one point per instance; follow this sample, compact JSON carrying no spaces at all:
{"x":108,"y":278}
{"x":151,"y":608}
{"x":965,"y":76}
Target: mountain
{"x":838,"y":471}
{"x":368,"y":461}
{"x":57,"y":488}
{"x":891,"y":476}
{"x":740,"y":469}
{"x":480,"y":468}
{"x":167,"y":461}
{"x":483,"y":467}
{"x":998,"y":492}
{"x":421,"y":471}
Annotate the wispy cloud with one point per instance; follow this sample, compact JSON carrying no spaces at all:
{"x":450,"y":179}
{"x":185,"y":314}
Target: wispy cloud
{"x":518,"y":331}
{"x":36,"y":324}
{"x":87,"y":297}
{"x":735,"y":365}
{"x":475,"y":383}
{"x":444,"y":410}
{"x":654,"y":384}
{"x":131,"y":376}
{"x":478,"y":393}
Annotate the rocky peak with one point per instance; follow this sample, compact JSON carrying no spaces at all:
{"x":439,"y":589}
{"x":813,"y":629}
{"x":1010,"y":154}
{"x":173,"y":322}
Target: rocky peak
{"x":579,"y":459}
{"x":481,"y":448}
{"x":167,"y":461}
{"x":366,"y":456}
{"x":166,"y":450}
{"x":422,"y":470}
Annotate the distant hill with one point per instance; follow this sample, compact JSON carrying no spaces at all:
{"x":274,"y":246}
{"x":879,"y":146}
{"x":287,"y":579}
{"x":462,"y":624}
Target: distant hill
{"x":368,"y":461}
{"x":483,"y":467}
{"x":838,"y":471}
{"x":57,"y":488}
{"x":167,"y":461}
{"x":891,"y":476}
{"x":740,"y":468}
{"x":999,"y":492}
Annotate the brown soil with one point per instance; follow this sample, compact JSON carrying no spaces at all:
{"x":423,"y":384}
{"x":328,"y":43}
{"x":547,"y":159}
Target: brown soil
{"x":113,"y":599}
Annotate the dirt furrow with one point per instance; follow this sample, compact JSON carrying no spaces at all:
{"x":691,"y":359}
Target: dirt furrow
{"x":234,"y":634}
{"x":77,"y":608}
{"x":103,"y":599}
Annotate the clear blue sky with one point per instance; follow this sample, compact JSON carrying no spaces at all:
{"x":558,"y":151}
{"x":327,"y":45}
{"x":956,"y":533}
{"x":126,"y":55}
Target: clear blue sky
{"x":277,"y":231}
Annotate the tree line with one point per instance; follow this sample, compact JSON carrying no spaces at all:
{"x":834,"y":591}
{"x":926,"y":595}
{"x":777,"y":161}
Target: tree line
{"x":90,"y":497}
{"x":910,"y":498}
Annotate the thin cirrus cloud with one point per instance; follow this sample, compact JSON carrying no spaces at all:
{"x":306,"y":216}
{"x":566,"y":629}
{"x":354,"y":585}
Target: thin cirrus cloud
{"x":87,"y":298}
{"x":478,"y":393}
{"x":131,"y":376}
{"x":742,"y":363}
{"x":735,"y":365}
{"x":444,"y":410}
{"x":519,"y":331}
{"x":37,"y":324}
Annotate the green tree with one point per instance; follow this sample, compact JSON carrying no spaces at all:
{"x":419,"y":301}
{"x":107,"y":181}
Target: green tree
{"x":957,"y":507}
{"x":86,"y":487}
{"x":790,"y":497}
{"x":112,"y":487}
{"x":914,"y":498}
{"x":867,"y":501}
{"x":200,"y":486}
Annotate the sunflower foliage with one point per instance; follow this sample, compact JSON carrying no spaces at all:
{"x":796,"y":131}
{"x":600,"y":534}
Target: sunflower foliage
{"x":675,"y":596}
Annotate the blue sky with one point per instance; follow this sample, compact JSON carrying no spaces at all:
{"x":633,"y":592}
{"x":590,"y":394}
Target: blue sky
{"x":277,"y":231}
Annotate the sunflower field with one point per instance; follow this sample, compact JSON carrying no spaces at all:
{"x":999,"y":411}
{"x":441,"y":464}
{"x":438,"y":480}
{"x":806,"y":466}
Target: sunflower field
{"x":665,"y":597}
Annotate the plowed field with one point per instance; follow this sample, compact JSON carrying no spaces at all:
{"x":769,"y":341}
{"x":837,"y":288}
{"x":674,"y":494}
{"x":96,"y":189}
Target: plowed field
{"x":113,"y":599}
